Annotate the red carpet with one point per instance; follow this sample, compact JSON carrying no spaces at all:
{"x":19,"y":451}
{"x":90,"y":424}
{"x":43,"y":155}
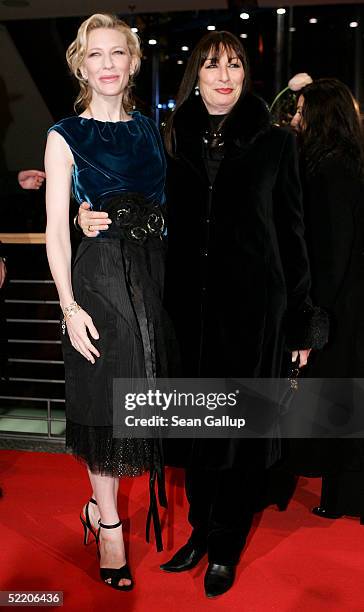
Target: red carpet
{"x":293,"y":562}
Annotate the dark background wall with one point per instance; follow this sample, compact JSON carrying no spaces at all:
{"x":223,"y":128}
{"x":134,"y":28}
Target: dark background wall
{"x":36,"y":88}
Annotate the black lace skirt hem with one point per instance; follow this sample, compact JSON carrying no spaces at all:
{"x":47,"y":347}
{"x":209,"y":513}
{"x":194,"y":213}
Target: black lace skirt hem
{"x":103,"y":454}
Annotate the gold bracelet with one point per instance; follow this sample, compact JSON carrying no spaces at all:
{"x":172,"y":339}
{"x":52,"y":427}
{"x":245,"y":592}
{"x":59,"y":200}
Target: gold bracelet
{"x":68,"y":312}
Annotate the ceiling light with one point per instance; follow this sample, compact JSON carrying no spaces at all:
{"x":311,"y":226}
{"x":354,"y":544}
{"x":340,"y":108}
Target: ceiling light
{"x":180,"y":62}
{"x":211,"y":27}
{"x":244,"y":16}
{"x":243,"y":35}
{"x":353,"y":24}
{"x":292,"y":29}
{"x":281,"y":11}
{"x":185,"y":48}
{"x":152,"y":41}
{"x":313,"y":20}
{"x":135,"y":30}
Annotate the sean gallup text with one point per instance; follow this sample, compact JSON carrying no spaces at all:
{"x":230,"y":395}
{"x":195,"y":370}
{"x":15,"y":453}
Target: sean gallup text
{"x":176,"y":421}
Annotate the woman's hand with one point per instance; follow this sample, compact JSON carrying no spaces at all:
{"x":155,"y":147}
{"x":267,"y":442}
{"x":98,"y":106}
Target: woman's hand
{"x":31,"y":179}
{"x":77,"y":326}
{"x":304,"y":354}
{"x":91,"y":222}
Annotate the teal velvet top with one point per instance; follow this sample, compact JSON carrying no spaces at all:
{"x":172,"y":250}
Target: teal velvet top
{"x":114,"y":157}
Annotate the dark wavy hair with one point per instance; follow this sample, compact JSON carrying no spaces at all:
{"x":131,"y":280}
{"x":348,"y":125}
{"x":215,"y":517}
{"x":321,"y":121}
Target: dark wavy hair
{"x":331,"y":125}
{"x":213,"y":44}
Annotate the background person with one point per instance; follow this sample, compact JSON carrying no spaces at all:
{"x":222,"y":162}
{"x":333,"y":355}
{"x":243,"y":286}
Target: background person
{"x":332,"y":162}
{"x":26,"y":179}
{"x":10,"y":183}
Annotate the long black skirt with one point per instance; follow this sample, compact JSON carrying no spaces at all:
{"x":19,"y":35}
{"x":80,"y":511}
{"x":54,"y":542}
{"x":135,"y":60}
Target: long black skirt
{"x":119,"y":283}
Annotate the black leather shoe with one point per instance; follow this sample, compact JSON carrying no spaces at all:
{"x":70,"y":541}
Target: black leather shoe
{"x":185,"y":558}
{"x":323,"y":513}
{"x":219,"y":579}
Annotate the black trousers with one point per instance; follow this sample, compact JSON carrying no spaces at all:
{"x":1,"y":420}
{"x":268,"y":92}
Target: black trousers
{"x":222,"y":505}
{"x":343,"y":493}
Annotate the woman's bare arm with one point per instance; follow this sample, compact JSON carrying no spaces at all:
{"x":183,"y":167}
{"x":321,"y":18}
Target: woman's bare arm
{"x":58,"y":166}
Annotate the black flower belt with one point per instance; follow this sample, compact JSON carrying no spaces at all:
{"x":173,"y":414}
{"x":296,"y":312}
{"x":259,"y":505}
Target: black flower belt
{"x":133,"y":216}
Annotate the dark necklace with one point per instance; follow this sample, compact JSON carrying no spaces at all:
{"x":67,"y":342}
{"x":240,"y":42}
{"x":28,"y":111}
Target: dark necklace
{"x":213,"y":136}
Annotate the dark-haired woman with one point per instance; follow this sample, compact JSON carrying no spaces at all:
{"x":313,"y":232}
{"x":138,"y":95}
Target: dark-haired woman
{"x":330,"y":134}
{"x":237,"y":271}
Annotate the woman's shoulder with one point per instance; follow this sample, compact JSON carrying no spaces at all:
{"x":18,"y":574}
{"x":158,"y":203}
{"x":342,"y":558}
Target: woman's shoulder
{"x":149,"y":125}
{"x":281,"y":140}
{"x":67,"y":124}
{"x":138,"y":116}
{"x":282,"y":134}
{"x":337,"y":178}
{"x":338,"y":166}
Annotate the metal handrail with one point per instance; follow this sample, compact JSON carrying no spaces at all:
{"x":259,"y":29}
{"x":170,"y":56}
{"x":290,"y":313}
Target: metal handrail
{"x":32,"y":321}
{"x":23,"y":238}
{"x":23,"y":341}
{"x":51,"y":409}
{"x":33,"y":399}
{"x":31,"y":301}
{"x":20,"y":281}
{"x":42,"y":361}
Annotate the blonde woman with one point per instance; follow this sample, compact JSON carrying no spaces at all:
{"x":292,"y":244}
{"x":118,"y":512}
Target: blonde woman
{"x":114,"y":325}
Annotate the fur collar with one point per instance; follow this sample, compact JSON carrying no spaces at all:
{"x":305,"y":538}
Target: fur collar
{"x":248,"y":119}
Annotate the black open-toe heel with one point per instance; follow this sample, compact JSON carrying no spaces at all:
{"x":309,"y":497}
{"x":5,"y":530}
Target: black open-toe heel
{"x":86,"y":523}
{"x":114,"y":575}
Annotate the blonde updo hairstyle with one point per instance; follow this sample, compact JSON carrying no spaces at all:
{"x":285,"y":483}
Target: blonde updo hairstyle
{"x":76,"y":53}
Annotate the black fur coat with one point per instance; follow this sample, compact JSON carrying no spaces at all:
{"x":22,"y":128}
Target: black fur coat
{"x":237,"y":278}
{"x":238,"y":281}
